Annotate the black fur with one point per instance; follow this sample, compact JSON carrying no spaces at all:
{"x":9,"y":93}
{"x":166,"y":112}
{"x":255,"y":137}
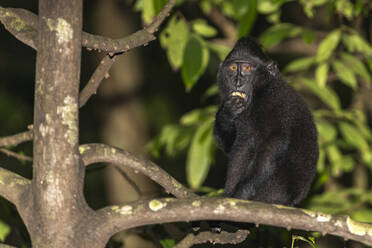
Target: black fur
{"x":269,"y":135}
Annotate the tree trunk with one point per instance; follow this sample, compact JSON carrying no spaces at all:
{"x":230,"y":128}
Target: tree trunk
{"x":55,"y":199}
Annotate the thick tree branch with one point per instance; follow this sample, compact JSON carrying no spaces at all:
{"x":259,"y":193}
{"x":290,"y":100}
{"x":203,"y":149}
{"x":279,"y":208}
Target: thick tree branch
{"x":23,"y":25}
{"x":214,"y":238}
{"x":12,"y":186}
{"x":112,"y":219}
{"x":95,"y":153}
{"x":16,"y":139}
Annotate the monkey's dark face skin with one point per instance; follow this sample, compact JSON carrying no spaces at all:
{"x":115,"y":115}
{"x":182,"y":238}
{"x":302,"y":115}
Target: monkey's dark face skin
{"x":265,"y":128}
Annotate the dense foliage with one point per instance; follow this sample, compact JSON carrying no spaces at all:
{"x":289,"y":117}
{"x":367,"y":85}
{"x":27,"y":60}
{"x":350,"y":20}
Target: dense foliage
{"x":332,"y":69}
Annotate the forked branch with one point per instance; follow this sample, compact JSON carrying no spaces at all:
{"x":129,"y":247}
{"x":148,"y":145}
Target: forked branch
{"x":96,"y":153}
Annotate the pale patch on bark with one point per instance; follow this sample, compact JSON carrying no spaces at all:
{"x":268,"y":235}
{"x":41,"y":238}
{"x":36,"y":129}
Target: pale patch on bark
{"x":156,"y":205}
{"x":64,"y":32}
{"x":219,"y":209}
{"x":358,"y":228}
{"x":68,"y":113}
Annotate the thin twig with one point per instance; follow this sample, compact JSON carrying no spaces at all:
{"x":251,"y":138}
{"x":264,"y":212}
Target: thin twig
{"x":158,"y":20}
{"x":16,"y":139}
{"x":16,"y":155}
{"x":99,"y":74}
{"x":139,"y":38}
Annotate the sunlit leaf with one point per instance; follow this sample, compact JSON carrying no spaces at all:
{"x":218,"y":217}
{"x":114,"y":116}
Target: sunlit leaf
{"x":327,"y":131}
{"x":352,"y":135}
{"x":364,"y":215}
{"x":328,"y":45}
{"x":309,"y":5}
{"x":200,"y":155}
{"x":220,"y":50}
{"x":174,"y":138}
{"x":345,"y":7}
{"x":345,"y":74}
{"x":275,"y":34}
{"x":355,"y":42}
{"x":201,"y":27}
{"x":211,"y":91}
{"x":356,"y":66}
{"x":174,"y":38}
{"x":150,"y":8}
{"x":198,"y":115}
{"x":300,"y":64}
{"x":321,"y":74}
{"x":324,"y":93}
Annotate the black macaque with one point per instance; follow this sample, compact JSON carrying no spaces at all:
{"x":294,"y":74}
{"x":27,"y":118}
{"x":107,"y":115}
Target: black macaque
{"x":265,"y":128}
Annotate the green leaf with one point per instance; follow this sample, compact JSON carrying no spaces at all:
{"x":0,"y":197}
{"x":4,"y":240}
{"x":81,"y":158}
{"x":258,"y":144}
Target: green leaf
{"x":178,"y":36}
{"x":356,"y":66}
{"x":221,"y":50}
{"x":354,"y":42}
{"x":324,"y":93}
{"x":300,"y":64}
{"x":321,"y":74}
{"x":358,"y":7}
{"x":363,"y":215}
{"x":198,"y":115}
{"x":327,"y":131}
{"x":267,"y":6}
{"x":167,"y":243}
{"x":308,"y":35}
{"x":148,"y":10}
{"x":174,"y":138}
{"x":328,"y":45}
{"x":352,"y":135}
{"x":247,"y":20}
{"x":275,"y":34}
{"x":195,"y":60}
{"x":334,"y":156}
{"x":200,"y":155}
{"x":344,"y":74}
{"x":4,"y":230}
{"x":241,"y":7}
{"x":211,"y":91}
{"x":345,"y":8}
{"x":309,"y":5}
{"x":201,"y":27}
{"x":174,"y":38}
{"x":206,"y":6}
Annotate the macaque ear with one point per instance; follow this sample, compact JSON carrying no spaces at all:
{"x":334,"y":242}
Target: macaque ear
{"x":273,"y":68}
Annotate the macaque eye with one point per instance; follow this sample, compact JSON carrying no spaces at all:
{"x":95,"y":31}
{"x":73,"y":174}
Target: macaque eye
{"x":233,"y":67}
{"x":246,"y":68}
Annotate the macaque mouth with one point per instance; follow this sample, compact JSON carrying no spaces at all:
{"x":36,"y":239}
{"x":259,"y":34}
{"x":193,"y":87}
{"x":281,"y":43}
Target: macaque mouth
{"x":239,"y":94}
